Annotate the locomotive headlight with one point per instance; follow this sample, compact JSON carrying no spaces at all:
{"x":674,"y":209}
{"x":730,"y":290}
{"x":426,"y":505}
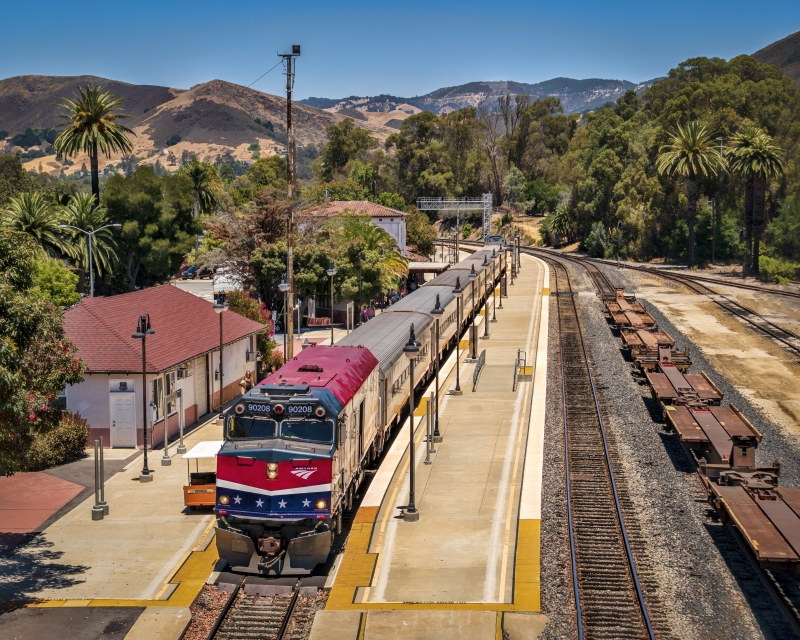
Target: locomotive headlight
{"x":321,"y":504}
{"x":224,"y":500}
{"x":272,"y":470}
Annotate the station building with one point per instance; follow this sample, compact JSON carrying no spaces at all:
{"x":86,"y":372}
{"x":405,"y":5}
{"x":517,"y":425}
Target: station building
{"x":183,"y":353}
{"x":390,"y":220}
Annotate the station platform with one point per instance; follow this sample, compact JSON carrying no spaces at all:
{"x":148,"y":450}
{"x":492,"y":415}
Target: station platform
{"x":469,"y":567}
{"x":150,"y":555}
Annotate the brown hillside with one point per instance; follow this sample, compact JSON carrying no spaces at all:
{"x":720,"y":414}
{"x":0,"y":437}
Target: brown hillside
{"x":27,"y":101}
{"x":784,"y":53}
{"x":211,"y":118}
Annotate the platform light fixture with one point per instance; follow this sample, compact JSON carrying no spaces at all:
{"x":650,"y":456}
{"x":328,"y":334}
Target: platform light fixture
{"x":437,"y":313}
{"x":143,"y":329}
{"x":331,"y":272}
{"x":220,"y":306}
{"x":457,"y":293}
{"x":410,"y":351}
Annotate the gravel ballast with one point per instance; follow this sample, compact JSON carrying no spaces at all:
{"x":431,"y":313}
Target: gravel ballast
{"x":701,"y":581}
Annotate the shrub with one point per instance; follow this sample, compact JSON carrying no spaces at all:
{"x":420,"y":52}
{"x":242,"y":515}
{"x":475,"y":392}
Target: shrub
{"x":65,"y":443}
{"x":173,"y":140}
{"x":596,"y":242}
{"x":466,"y":230}
{"x":776,"y":270}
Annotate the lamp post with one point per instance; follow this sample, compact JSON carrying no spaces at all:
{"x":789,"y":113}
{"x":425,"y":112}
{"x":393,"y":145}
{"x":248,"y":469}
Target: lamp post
{"x":713,"y":227}
{"x":485,"y":266}
{"x":494,"y":288}
{"x":472,"y":276}
{"x":457,"y":293}
{"x":142,"y":331}
{"x":331,"y":272}
{"x":220,"y":306}
{"x":283,"y":287}
{"x":437,"y":313}
{"x":410,"y":351}
{"x":360,"y":291}
{"x":89,"y":235}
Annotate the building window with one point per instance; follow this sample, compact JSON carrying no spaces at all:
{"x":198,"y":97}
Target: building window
{"x":60,"y":403}
{"x":158,"y":398}
{"x":170,"y":378}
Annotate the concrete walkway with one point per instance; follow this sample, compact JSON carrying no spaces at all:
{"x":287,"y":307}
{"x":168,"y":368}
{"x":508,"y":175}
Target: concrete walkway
{"x":475,"y":550}
{"x":141,"y":554}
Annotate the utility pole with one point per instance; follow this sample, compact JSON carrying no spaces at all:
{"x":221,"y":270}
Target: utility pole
{"x":289,"y":61}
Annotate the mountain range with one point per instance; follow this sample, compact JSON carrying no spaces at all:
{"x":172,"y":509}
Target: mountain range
{"x":784,"y":53}
{"x":577,"y":96}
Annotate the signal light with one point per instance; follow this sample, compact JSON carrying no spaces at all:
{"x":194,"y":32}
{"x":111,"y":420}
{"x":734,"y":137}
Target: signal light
{"x":319,"y":412}
{"x":278,"y":409}
{"x":239,"y":408}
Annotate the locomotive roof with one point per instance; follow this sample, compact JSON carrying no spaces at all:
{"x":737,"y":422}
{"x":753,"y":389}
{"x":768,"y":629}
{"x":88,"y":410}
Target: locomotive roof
{"x":340,"y":369}
{"x":387,"y":333}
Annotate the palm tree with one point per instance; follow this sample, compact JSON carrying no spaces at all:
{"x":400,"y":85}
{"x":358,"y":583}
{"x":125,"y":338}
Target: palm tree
{"x":755,"y":156}
{"x":93,"y":129}
{"x":37,"y":216}
{"x":80,"y":212}
{"x":691,"y":153}
{"x":206,"y":185}
{"x":741,"y":141}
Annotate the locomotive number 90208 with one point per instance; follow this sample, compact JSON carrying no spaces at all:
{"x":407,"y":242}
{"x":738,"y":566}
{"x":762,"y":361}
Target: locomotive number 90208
{"x":299,"y":409}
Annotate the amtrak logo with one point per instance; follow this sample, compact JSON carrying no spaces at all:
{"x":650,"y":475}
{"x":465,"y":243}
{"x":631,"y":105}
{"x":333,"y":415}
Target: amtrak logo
{"x":305,"y":474}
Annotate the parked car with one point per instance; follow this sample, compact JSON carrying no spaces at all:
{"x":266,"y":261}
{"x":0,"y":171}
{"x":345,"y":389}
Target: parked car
{"x":194,"y":272}
{"x":189,"y":274}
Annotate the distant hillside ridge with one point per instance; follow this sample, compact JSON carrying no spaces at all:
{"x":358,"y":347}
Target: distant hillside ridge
{"x":577,"y":96}
{"x":785,"y":54}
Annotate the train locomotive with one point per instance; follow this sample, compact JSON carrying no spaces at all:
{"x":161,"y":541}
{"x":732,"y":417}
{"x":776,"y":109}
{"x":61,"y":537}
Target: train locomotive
{"x":296,"y":445}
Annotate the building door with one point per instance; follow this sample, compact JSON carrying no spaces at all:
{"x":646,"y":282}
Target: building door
{"x":201,"y":386}
{"x":123,"y":419}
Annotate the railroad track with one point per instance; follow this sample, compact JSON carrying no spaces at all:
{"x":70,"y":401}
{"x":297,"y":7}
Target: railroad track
{"x":758,"y":322}
{"x":264,"y":613}
{"x":608,"y":595}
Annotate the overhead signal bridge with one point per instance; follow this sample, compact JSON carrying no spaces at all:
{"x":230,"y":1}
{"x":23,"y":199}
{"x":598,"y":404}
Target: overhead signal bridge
{"x":459,"y":205}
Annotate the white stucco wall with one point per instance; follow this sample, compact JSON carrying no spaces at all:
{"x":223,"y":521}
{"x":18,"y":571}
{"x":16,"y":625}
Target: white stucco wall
{"x":395,"y":227}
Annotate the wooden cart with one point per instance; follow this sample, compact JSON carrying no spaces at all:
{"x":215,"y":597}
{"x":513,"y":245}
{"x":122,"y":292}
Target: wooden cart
{"x":202,"y":488}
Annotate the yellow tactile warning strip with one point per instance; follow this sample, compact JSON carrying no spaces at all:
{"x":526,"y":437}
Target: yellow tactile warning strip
{"x":190,"y":578}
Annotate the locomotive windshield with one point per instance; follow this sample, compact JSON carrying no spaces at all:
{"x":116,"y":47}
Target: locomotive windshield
{"x":307,"y":429}
{"x":255,"y":427}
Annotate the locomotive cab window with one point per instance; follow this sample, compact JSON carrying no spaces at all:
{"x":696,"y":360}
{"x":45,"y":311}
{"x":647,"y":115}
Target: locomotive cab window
{"x":252,"y":427}
{"x":307,"y":429}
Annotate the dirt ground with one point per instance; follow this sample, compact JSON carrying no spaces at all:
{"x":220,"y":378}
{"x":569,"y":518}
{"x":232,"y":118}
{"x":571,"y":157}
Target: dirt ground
{"x":763,"y":371}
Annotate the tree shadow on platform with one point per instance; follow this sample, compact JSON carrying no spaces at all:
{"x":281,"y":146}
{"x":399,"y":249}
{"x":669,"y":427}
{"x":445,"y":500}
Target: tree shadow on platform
{"x":31,"y":569}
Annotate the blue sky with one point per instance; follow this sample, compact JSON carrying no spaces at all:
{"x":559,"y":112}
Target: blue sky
{"x":361,"y":48}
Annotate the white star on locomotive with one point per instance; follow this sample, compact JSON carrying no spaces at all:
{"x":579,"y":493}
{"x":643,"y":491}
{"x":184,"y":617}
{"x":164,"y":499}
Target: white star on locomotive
{"x":259,"y":503}
{"x":282,"y":504}
{"x":237,"y":500}
{"x":306,"y":503}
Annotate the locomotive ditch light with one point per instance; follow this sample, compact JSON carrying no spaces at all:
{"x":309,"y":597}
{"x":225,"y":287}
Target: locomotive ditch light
{"x":224,"y":500}
{"x":239,"y":408}
{"x":321,"y":504}
{"x":319,"y":412}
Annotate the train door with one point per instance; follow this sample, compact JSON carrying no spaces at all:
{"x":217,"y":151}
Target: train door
{"x":361,"y":431}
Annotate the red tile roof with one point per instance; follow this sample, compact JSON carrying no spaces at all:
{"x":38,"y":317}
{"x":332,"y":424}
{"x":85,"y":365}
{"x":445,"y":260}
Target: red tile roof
{"x":185,"y":326}
{"x":360,"y":207}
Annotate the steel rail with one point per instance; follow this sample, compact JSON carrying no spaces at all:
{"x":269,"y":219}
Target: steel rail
{"x":618,"y":507}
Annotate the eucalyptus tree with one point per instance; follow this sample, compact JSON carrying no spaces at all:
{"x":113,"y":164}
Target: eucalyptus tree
{"x":92,"y":115}
{"x":691,"y":154}
{"x":755,"y":156}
